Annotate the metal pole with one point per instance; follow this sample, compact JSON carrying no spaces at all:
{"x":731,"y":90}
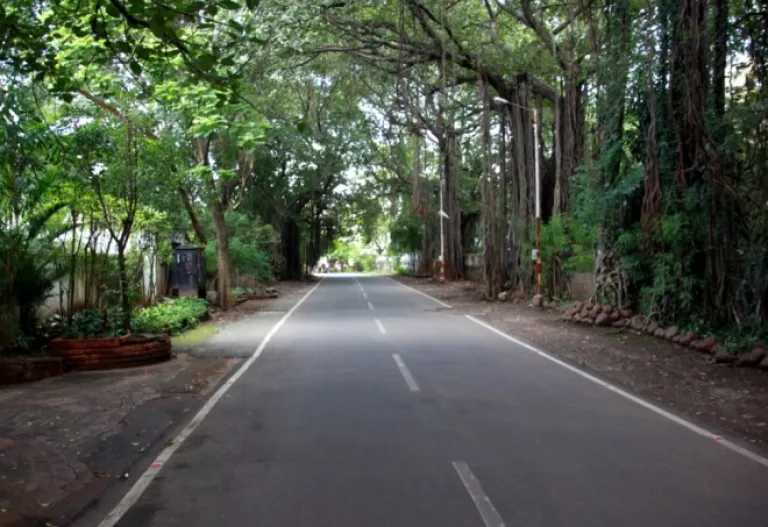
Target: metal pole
{"x":442,"y":231}
{"x":538,"y":199}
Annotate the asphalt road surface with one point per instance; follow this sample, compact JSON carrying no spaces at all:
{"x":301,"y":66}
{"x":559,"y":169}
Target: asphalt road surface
{"x":375,"y":406}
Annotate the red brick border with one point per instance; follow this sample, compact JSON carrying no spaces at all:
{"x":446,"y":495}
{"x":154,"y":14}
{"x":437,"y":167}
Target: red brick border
{"x":26,"y":370}
{"x":103,"y":354}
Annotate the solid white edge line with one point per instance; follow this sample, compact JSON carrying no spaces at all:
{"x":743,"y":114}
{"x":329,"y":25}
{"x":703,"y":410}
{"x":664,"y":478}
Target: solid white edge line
{"x":422,"y":293}
{"x":380,"y":326}
{"x":482,"y":502}
{"x":406,"y":373}
{"x":370,"y":306}
{"x":637,"y":400}
{"x":141,"y":484}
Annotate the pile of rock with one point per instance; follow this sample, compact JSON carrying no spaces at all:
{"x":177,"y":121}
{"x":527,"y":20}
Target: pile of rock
{"x":271,"y":292}
{"x":592,"y":314}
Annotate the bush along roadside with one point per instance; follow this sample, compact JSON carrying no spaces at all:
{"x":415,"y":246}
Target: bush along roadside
{"x":170,"y":317}
{"x":592,"y":314}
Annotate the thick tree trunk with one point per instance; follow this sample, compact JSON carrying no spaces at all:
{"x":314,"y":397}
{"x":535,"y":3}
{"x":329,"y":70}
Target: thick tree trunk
{"x":571,"y":137}
{"x":192,"y":215}
{"x":560,"y":199}
{"x":315,"y":249}
{"x":719,"y":61}
{"x":652,"y":196}
{"x":425,"y":261}
{"x":72,"y":269}
{"x":454,"y":255}
{"x":523,"y":183}
{"x":503,"y":197}
{"x":491,"y":260}
{"x":420,"y":203}
{"x":291,"y":238}
{"x":224,"y":275}
{"x":125,"y":301}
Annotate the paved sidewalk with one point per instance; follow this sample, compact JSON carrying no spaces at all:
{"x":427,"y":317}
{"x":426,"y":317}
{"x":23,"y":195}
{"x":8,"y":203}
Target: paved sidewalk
{"x":65,"y":439}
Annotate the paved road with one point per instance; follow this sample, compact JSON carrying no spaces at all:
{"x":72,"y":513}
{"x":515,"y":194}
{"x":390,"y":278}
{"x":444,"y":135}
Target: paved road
{"x":372,"y":406}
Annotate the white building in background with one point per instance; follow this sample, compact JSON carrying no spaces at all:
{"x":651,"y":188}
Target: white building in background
{"x":152,"y":283}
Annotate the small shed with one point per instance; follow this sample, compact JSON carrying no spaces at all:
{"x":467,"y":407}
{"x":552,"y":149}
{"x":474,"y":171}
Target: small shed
{"x":187,"y":276}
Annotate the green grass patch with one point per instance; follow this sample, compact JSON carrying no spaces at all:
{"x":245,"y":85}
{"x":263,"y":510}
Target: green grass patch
{"x":195,"y":335}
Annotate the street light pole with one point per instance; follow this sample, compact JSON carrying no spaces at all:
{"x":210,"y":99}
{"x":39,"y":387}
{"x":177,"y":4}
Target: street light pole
{"x":442,"y":231}
{"x":538,"y":198}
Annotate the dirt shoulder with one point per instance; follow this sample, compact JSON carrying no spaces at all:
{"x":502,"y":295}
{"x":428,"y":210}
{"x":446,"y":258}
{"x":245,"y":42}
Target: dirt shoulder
{"x":66,"y":440}
{"x":732,"y":400}
{"x":249,"y":307}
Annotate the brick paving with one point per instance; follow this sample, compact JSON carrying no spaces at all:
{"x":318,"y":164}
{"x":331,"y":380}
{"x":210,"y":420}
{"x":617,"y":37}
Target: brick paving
{"x":63,"y":440}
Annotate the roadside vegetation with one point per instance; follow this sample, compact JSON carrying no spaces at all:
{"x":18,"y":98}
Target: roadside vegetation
{"x":274,"y":133}
{"x":168,"y":317}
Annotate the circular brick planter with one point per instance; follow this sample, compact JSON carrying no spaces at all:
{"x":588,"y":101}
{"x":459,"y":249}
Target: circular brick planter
{"x":103,"y":354}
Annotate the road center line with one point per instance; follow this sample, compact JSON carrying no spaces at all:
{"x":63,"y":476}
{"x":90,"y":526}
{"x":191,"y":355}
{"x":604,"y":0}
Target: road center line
{"x":409,"y":380}
{"x":380,"y":326}
{"x":149,"y":475}
{"x":370,"y":306}
{"x":483,"y":504}
{"x":365,"y":295}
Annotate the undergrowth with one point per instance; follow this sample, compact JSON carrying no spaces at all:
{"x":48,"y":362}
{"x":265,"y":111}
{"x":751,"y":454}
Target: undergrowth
{"x":171,"y":317}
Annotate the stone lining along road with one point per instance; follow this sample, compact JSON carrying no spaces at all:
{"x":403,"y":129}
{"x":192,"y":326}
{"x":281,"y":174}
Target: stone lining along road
{"x":369,"y":404}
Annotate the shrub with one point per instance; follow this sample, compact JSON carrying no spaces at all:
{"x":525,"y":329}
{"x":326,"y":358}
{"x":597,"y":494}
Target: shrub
{"x":368,"y":263}
{"x":170,"y":317}
{"x":242,"y":292}
{"x":404,"y":271}
{"x":250,"y":242}
{"x":91,"y":323}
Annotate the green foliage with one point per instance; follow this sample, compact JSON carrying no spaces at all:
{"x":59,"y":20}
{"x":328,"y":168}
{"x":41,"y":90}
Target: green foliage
{"x":566,"y":247}
{"x":187,"y":97}
{"x":31,"y":262}
{"x":250,"y":243}
{"x":605,"y":205}
{"x":242,"y":292}
{"x":85,"y":324}
{"x":403,"y":271}
{"x":367,"y":263}
{"x":662,"y":282}
{"x":171,"y":317}
{"x":137,"y":34}
{"x":405,"y":233}
{"x":92,"y":323}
